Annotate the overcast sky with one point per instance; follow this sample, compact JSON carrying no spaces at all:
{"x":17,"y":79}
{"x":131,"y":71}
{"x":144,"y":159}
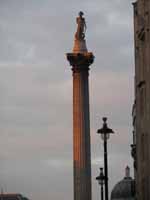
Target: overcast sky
{"x":36,"y":92}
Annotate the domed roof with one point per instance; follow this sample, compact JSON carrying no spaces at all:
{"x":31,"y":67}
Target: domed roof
{"x":124,"y":190}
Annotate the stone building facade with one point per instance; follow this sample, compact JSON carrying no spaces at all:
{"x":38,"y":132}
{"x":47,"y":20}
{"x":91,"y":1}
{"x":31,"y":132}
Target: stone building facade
{"x":141,"y":109}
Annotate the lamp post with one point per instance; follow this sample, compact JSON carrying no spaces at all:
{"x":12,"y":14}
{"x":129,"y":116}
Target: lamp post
{"x":105,"y":134}
{"x":100,"y":180}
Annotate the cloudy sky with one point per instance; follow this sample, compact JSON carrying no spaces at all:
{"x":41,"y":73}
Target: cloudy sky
{"x":36,"y":92}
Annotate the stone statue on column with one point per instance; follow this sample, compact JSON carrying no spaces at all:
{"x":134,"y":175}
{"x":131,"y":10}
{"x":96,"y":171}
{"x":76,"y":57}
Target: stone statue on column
{"x":80,"y":43}
{"x":81,"y":29}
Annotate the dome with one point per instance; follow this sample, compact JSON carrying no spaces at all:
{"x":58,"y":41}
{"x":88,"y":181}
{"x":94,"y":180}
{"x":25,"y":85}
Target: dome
{"x":124,"y":190}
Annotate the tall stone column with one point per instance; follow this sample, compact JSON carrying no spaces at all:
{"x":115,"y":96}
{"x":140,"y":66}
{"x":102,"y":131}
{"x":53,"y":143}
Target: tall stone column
{"x":80,"y":60}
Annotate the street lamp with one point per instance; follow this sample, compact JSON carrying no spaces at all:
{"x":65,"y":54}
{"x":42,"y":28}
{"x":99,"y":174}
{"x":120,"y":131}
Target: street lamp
{"x":100,"y":180}
{"x":105,"y":134}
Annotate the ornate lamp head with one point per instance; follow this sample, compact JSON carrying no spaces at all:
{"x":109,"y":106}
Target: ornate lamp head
{"x":105,"y":131}
{"x":101,"y":177}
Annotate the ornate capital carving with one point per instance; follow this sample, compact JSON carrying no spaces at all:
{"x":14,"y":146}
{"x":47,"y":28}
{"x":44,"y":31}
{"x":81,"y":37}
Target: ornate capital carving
{"x":80,"y":61}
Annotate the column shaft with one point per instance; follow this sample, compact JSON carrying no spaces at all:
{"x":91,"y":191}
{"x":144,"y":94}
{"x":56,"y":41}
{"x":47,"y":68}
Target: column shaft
{"x":81,"y":136}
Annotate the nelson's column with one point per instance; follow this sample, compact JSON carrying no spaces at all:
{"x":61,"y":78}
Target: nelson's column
{"x":80,"y":60}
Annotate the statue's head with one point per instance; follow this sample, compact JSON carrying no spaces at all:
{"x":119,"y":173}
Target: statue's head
{"x":81,"y":13}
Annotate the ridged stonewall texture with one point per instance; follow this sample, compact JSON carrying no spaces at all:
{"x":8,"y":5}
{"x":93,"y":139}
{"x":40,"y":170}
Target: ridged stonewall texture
{"x":81,"y":124}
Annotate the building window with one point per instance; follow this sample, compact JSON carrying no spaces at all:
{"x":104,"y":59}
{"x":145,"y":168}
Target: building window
{"x":142,"y":147}
{"x":142,"y":102}
{"x":143,"y":189}
{"x":141,"y":30}
{"x":142,"y":98}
